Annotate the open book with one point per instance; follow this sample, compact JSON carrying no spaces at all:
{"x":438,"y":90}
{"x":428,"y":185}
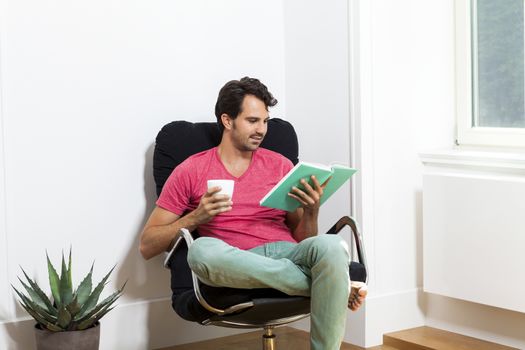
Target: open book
{"x":278,"y":197}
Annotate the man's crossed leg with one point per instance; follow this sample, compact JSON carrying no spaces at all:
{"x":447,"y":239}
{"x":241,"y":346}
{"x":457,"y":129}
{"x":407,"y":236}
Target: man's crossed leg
{"x":316,"y":267}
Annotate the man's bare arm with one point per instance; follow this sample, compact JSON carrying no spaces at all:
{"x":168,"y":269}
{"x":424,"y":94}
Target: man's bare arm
{"x":303,"y":222}
{"x":159,"y":232}
{"x":163,"y":225}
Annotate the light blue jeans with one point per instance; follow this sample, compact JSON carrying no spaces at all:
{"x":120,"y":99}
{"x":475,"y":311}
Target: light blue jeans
{"x":316,"y":267}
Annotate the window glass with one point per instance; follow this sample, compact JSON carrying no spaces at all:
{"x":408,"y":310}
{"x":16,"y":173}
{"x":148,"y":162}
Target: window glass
{"x":498,"y":64}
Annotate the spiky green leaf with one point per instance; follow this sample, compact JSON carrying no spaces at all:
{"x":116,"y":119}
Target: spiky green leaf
{"x":73,"y":307}
{"x":41,"y":294}
{"x":84,"y":289}
{"x":33,"y":295}
{"x":66,"y":292}
{"x":101,"y":314}
{"x":69,"y":273}
{"x":103,"y":304}
{"x":64,"y":317}
{"x":34,"y":307}
{"x":50,"y":326}
{"x":92,"y":300}
{"x":54,"y":282}
{"x":53,"y":328}
{"x":92,"y":320}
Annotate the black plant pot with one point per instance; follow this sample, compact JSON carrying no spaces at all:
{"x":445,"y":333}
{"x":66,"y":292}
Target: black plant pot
{"x":88,"y":339}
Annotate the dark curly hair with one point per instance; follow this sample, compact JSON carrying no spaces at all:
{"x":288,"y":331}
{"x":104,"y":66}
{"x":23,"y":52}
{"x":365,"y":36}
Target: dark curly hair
{"x":232,"y":94}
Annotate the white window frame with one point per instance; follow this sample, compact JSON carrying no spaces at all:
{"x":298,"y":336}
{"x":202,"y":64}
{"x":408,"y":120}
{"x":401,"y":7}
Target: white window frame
{"x":466,"y":134}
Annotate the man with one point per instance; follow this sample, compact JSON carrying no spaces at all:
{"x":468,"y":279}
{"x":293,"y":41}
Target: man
{"x":242,"y":244}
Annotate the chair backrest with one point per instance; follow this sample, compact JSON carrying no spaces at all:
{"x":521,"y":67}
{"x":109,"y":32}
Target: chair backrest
{"x":177,"y":141}
{"x":180,"y":139}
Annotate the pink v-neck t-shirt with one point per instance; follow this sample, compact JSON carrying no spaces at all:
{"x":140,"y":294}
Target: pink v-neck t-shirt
{"x":248,"y":224}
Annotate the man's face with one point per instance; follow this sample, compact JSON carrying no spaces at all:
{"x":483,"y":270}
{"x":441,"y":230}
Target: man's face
{"x":250,"y":126}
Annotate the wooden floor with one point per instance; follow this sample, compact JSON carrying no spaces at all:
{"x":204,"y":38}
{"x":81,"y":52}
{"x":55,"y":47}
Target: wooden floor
{"x":421,"y":338}
{"x":287,"y":339}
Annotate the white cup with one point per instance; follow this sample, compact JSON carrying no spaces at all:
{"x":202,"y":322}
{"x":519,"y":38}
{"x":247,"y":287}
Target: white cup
{"x":225,"y":185}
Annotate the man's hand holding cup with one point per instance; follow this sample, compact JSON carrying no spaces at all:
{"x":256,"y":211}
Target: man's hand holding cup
{"x":216,"y":200}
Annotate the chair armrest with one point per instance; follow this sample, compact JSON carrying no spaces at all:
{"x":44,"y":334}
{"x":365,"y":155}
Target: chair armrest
{"x":185,"y":235}
{"x":178,"y":239}
{"x":358,"y":239}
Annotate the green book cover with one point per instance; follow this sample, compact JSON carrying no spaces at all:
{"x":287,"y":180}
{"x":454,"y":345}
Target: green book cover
{"x":278,"y":197}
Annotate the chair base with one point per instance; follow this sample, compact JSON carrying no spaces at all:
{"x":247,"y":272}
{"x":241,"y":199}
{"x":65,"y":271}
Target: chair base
{"x":268,"y":338}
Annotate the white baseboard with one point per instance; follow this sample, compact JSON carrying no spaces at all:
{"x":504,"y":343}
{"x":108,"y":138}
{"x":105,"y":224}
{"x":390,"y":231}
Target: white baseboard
{"x":134,"y":326}
{"x":393,"y":312}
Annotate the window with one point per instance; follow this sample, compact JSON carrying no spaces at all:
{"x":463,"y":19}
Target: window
{"x":490,"y":72}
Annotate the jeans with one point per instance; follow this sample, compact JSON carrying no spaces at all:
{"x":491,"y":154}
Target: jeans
{"x":316,"y":267}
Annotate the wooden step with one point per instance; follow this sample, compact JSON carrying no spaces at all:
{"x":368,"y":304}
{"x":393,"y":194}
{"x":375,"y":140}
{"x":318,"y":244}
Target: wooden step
{"x":427,"y":338}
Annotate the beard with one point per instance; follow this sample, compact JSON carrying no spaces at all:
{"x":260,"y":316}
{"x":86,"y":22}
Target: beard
{"x":246,"y":143}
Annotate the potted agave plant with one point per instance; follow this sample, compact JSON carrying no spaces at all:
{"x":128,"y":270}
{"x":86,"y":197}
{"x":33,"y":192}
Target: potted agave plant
{"x":71,"y":319}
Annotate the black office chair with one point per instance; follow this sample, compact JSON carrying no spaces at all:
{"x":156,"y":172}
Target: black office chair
{"x":230,"y":307}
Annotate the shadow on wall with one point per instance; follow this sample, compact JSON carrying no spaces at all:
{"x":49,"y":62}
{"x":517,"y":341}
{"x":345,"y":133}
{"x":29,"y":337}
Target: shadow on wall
{"x":3,"y":315}
{"x":147,"y":280}
{"x":421,"y":296}
{"x":418,"y":199}
{"x":17,"y":332}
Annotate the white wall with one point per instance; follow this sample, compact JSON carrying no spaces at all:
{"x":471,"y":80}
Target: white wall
{"x":412,"y":95}
{"x":317,"y":101}
{"x":316,"y":70}
{"x":407,"y":80}
{"x":406,"y":106}
{"x":85,"y":88}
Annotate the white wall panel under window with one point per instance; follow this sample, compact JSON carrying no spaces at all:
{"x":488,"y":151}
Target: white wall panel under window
{"x":473,"y":235}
